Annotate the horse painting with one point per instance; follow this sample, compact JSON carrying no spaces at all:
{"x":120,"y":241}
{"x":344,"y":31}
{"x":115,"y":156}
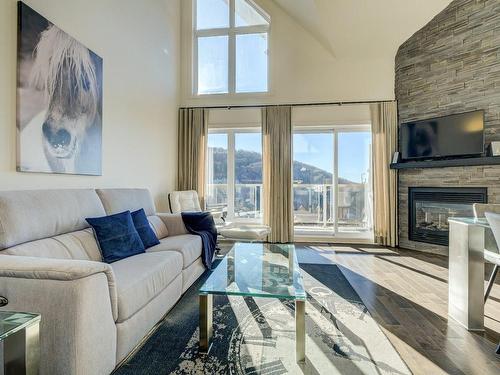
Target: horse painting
{"x":59,"y":100}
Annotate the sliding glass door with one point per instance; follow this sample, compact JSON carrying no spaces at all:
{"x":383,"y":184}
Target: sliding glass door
{"x":313,"y":177}
{"x":234,"y":173}
{"x":332,"y":182}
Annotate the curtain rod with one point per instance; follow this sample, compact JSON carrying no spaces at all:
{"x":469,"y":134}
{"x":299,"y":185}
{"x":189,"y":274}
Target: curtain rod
{"x":288,"y":105}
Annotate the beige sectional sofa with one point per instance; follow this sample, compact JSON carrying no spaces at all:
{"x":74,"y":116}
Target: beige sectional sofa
{"x":93,"y":313}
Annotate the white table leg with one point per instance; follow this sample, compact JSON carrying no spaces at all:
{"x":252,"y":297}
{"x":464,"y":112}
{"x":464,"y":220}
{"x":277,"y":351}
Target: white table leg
{"x":466,"y":275}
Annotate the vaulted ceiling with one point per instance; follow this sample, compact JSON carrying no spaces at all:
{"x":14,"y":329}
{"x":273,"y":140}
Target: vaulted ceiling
{"x":357,"y":28}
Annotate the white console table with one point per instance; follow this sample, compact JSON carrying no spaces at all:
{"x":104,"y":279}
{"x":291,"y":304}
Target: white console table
{"x":468,"y":239}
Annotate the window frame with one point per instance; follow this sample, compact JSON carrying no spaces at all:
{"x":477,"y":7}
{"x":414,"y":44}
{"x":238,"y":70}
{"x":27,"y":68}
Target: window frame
{"x":231,"y":32}
{"x":231,"y":170}
{"x":334,"y":129}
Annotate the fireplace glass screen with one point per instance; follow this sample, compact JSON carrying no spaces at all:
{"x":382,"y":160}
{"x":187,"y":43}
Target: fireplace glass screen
{"x":434,"y":215}
{"x":430,"y":209}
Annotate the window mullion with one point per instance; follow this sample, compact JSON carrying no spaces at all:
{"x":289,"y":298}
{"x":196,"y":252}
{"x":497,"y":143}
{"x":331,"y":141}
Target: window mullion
{"x":251,"y":29}
{"x":211,"y":32}
{"x":232,"y":63}
{"x":231,"y":187}
{"x":231,"y":71}
{"x":335,"y":187}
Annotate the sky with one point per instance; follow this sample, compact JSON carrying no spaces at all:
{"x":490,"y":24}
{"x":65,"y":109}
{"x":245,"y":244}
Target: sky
{"x":251,"y":57}
{"x":315,"y":149}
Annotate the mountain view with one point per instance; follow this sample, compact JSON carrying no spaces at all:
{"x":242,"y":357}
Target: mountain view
{"x":307,"y":201}
{"x":249,"y":169}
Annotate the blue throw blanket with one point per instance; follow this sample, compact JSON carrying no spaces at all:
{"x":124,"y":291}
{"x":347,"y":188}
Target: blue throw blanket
{"x":203,"y":225}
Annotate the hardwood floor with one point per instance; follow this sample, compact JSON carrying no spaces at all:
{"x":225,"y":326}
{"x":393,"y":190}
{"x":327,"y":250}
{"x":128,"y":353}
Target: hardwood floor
{"x":406,"y":293}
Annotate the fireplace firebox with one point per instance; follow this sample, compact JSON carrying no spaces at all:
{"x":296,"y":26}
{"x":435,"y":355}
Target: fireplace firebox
{"x":429,"y":210}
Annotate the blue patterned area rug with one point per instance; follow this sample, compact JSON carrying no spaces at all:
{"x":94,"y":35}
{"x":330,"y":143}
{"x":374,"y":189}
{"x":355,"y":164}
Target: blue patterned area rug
{"x":257,"y":335}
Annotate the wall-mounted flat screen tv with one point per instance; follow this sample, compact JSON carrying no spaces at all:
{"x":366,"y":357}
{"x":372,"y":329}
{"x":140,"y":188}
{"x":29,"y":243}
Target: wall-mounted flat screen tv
{"x":441,"y":137}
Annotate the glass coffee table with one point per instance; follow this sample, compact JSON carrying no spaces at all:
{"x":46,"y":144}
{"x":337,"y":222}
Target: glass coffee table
{"x":256,"y":270}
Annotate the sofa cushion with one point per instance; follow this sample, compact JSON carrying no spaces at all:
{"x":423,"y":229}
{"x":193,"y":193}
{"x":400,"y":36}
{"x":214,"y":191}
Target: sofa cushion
{"x":141,"y":223}
{"x":142,"y":277}
{"x":159,"y":226}
{"x":174,"y":223}
{"x":188,"y":245}
{"x":80,"y":245}
{"x":117,"y":236}
{"x":119,"y":200}
{"x":31,"y":215}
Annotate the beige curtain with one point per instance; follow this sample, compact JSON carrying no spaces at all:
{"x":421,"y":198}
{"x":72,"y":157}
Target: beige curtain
{"x":277,"y":172}
{"x":385,"y":190}
{"x":192,"y":143}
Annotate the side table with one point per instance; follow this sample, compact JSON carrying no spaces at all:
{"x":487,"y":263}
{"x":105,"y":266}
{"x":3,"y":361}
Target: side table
{"x":19,"y":343}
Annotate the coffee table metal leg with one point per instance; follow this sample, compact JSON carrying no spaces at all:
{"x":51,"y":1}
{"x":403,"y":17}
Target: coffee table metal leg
{"x":206,"y":326}
{"x":20,"y":352}
{"x":300,"y":330}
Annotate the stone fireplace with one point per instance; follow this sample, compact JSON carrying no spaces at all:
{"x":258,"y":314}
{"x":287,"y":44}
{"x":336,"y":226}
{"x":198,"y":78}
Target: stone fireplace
{"x":442,"y":70}
{"x":430,"y":207}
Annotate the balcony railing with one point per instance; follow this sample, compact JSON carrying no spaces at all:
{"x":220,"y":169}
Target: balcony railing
{"x":314,"y":204}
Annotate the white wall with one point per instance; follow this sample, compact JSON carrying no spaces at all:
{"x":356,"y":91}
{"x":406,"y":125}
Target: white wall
{"x":342,"y":115}
{"x":302,"y":70}
{"x":139,"y":44}
{"x":346,"y":114}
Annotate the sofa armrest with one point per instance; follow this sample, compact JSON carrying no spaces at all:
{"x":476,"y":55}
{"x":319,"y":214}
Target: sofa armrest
{"x":174,"y":223}
{"x":78,"y":307}
{"x":58,"y":269}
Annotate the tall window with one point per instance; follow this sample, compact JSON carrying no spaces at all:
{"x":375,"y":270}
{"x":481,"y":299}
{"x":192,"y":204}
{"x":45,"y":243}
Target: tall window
{"x":332,"y":181}
{"x":234,"y":173}
{"x":230,"y":47}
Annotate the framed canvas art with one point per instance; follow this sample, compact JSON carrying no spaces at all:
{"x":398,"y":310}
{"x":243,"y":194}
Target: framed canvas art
{"x":59,"y":100}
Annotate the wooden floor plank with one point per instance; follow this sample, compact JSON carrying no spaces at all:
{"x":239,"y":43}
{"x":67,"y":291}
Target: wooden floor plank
{"x":406,"y":292}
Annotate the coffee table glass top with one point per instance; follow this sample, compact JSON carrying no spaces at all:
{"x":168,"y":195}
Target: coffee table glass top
{"x":257,"y":270}
{"x":12,"y":322}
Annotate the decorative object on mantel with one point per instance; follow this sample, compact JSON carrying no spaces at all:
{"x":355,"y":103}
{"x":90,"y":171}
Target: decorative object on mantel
{"x":395,"y":157}
{"x":59,"y":100}
{"x":494,"y":148}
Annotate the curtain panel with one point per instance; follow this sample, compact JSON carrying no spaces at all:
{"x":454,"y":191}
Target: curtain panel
{"x":385,"y":181}
{"x":277,"y":172}
{"x":192,"y":137}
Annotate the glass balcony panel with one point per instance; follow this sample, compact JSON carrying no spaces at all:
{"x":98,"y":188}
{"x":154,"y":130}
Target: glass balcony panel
{"x":217,"y":183}
{"x":352,"y":212}
{"x":247,"y":201}
{"x":216,"y":198}
{"x":312,"y":204}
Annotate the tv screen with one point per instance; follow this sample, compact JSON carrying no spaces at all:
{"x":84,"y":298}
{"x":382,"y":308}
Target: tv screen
{"x":454,"y":135}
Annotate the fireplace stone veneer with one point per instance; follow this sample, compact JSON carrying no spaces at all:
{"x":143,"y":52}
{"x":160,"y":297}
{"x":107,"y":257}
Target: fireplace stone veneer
{"x":443,"y":69}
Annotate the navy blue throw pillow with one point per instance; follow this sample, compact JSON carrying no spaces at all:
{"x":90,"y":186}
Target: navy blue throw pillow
{"x":142,"y":226}
{"x":117,"y":236}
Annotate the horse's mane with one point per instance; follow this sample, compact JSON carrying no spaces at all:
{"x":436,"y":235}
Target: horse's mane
{"x":55,"y":52}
